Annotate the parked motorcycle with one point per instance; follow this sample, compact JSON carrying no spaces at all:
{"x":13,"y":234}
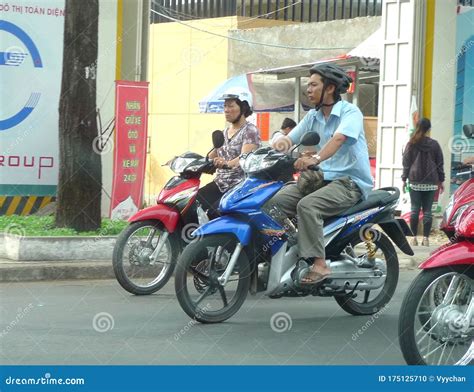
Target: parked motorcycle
{"x":436,"y":324}
{"x":248,"y":248}
{"x":146,"y":251}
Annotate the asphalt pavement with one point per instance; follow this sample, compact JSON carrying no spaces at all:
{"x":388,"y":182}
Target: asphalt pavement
{"x":96,"y":322}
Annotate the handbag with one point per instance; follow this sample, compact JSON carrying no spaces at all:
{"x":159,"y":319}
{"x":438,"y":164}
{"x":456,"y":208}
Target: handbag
{"x":310,"y":181}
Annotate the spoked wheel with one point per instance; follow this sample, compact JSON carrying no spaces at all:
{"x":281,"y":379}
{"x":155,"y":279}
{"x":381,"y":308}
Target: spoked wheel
{"x":434,"y":327}
{"x":136,"y":267}
{"x":386,"y":262}
{"x":198,"y":289}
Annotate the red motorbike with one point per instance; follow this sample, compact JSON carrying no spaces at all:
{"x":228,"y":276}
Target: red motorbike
{"x":436,"y":324}
{"x":146,"y":251}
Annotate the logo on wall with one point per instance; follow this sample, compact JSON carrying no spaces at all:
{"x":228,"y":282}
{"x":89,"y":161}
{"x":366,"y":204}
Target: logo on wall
{"x":16,"y":57}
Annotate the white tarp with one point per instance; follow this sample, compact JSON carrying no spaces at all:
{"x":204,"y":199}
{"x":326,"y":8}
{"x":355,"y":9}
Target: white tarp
{"x":370,"y":48}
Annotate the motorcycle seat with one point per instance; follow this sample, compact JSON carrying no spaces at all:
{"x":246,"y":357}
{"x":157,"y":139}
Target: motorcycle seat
{"x":377,"y":198}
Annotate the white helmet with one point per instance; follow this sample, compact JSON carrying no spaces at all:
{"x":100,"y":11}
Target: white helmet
{"x":240,"y":93}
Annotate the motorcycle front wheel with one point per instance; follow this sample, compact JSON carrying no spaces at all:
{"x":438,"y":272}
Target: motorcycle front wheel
{"x":432,"y":329}
{"x":198,"y":290}
{"x":135,"y":269}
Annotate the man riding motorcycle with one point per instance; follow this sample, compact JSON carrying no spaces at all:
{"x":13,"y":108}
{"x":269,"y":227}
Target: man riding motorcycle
{"x":343,"y":159}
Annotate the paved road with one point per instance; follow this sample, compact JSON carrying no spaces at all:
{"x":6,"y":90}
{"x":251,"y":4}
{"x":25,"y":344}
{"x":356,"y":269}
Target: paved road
{"x":96,"y":322}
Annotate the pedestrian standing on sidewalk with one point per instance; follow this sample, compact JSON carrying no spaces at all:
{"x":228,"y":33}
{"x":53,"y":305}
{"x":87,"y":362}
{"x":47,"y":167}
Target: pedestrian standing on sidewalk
{"x":423,"y":167}
{"x":286,"y":126}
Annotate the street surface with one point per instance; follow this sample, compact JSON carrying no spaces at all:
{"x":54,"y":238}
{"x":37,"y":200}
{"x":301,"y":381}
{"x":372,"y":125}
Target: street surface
{"x":96,"y":322}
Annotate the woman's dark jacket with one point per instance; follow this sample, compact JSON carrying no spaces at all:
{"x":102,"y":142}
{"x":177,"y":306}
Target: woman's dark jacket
{"x":423,"y":162}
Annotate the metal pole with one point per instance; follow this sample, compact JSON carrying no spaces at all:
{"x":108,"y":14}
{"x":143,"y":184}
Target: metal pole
{"x":355,"y":95}
{"x":297,"y":99}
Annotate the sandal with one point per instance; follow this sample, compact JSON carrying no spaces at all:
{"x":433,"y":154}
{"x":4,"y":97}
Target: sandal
{"x":313,"y":277}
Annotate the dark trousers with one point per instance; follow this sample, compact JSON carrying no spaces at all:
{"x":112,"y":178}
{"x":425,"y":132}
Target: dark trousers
{"x":421,"y":200}
{"x":209,"y":196}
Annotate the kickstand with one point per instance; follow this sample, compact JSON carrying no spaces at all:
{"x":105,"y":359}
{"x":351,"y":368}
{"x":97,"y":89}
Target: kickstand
{"x":351,"y":294}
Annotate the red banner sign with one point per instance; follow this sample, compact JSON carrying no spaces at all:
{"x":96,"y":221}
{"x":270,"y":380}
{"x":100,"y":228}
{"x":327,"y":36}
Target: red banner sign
{"x":131,"y":119}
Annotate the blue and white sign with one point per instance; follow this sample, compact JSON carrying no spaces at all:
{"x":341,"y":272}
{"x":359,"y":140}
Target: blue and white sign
{"x":31,"y":46}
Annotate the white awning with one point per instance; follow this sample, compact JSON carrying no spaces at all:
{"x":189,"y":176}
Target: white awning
{"x":371,"y":48}
{"x":280,"y":89}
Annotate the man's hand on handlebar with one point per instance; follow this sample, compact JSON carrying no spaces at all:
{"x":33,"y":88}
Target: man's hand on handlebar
{"x":304,"y":162}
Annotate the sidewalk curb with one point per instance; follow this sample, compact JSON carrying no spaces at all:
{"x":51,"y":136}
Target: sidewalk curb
{"x":24,"y":271}
{"x":18,"y":271}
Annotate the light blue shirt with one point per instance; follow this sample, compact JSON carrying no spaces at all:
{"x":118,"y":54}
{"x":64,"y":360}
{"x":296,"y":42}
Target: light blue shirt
{"x":352,"y":158}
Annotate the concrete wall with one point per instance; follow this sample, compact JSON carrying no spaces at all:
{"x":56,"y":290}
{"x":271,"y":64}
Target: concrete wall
{"x":123,"y":50}
{"x":344,"y":34}
{"x":443,"y":83}
{"x":185,"y":65}
{"x":133,"y":22}
{"x":106,"y":66}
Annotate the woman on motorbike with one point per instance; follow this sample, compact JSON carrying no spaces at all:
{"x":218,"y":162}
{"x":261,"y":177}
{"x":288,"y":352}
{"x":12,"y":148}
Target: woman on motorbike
{"x":240,"y":137}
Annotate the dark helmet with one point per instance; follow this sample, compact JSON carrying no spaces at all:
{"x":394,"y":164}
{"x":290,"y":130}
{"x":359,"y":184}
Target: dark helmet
{"x":334,"y":74}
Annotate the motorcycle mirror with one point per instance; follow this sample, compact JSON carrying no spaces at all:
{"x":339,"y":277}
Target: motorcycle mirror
{"x":217,"y":139}
{"x":310,"y":139}
{"x":468,"y":130}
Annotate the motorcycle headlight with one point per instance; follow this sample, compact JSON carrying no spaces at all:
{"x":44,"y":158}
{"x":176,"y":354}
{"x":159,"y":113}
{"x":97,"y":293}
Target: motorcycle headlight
{"x":459,"y":212}
{"x":254,"y":163}
{"x":186,"y":194}
{"x":179,"y":164}
{"x":449,"y":208}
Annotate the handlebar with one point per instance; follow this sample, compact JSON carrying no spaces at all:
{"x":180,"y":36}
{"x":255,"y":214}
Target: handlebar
{"x":463,"y":167}
{"x":313,"y":167}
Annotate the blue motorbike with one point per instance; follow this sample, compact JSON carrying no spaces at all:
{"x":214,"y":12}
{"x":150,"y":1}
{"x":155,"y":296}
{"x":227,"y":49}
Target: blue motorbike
{"x":253,"y":247}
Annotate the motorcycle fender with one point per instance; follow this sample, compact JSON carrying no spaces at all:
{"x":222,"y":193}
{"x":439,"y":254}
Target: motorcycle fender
{"x":226,"y":224}
{"x":160,"y":212}
{"x":450,"y":254}
{"x":397,"y":232}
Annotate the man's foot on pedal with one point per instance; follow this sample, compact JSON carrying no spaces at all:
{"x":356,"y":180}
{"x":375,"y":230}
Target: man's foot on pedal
{"x":313,"y":277}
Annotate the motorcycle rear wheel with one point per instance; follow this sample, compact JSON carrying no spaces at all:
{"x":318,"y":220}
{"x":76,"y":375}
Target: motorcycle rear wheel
{"x":426,"y":333}
{"x":132,"y":266}
{"x":199,"y":293}
{"x":374,"y":303}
